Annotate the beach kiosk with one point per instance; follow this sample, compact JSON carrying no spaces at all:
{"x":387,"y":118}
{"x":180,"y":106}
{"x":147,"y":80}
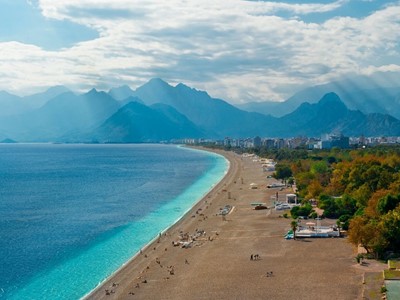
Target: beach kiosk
{"x":291,"y":199}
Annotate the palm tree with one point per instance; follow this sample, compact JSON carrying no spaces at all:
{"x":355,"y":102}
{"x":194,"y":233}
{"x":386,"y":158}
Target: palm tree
{"x":293,"y":224}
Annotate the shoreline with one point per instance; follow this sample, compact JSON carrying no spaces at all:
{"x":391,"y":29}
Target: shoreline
{"x":219,"y":263}
{"x":151,"y":243}
{"x":113,"y":250}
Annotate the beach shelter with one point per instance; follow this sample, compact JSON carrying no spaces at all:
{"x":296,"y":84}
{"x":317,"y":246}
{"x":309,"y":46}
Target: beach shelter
{"x":291,"y":199}
{"x":257,"y":203}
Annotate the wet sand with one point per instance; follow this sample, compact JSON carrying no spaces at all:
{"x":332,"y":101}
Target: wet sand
{"x":218,"y":264}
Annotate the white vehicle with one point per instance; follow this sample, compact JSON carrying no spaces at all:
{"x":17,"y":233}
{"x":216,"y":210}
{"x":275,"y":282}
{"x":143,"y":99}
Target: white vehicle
{"x":275,"y":185}
{"x":282,"y":206}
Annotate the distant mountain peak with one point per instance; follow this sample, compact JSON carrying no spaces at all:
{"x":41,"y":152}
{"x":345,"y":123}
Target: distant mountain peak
{"x":158,"y":82}
{"x":96,"y":95}
{"x":331,"y":101}
{"x":121,"y":93}
{"x":330,"y":97}
{"x":122,"y":88}
{"x":183,"y":86}
{"x":133,"y":99}
{"x":304,"y":105}
{"x":93,"y":91}
{"x":136,"y":122}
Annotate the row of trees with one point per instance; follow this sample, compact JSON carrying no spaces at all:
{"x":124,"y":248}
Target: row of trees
{"x":359,"y":187}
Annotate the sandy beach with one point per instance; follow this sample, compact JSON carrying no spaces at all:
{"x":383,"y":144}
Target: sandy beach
{"x":217,"y":264}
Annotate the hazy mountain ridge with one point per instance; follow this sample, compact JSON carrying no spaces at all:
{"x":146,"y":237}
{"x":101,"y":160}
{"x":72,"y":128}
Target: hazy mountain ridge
{"x":368,"y":95}
{"x":11,"y":105}
{"x":135,"y":123}
{"x":121,"y":93}
{"x":215,"y":116}
{"x":330,"y":114}
{"x":62,"y":114}
{"x":158,"y":111}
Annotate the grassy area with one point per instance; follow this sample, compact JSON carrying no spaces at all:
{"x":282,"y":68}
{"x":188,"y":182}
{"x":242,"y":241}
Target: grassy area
{"x":391,"y":274}
{"x":394,"y":264}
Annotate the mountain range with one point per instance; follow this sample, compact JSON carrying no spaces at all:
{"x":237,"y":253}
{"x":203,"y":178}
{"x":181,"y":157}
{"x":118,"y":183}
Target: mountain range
{"x":366,"y":94}
{"x":157,"y":111}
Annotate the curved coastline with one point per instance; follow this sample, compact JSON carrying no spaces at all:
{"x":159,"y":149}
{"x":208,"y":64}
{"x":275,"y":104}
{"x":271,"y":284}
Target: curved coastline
{"x":113,"y":251}
{"x":219,"y":264}
{"x":114,"y":277}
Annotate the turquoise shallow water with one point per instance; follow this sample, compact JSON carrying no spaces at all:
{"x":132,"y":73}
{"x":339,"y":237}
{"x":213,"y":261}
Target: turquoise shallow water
{"x":393,"y":289}
{"x":74,"y":273}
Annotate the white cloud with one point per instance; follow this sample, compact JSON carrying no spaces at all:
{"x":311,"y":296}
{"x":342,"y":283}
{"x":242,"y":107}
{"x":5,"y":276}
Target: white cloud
{"x":237,"y":50}
{"x":304,"y":8}
{"x":60,"y":9}
{"x":386,"y":68}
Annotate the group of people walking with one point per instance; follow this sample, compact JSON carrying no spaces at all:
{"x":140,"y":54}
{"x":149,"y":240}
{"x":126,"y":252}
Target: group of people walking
{"x":254,"y":257}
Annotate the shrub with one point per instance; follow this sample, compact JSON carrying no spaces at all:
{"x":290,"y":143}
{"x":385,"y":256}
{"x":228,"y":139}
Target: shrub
{"x":359,"y":257}
{"x":303,"y":211}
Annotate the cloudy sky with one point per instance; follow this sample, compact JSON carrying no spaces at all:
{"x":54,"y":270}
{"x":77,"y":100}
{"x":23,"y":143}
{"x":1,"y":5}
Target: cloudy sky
{"x":238,"y":50}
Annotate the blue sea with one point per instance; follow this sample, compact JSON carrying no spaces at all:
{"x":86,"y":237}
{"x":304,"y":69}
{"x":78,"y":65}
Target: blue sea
{"x":71,"y":215}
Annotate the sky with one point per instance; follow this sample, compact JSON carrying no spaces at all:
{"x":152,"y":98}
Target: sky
{"x":237,"y":50}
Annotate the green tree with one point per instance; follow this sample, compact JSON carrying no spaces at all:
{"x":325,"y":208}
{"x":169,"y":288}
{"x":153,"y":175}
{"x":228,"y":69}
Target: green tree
{"x":283,"y":171}
{"x":303,"y":211}
{"x":319,"y":167}
{"x":369,"y":234}
{"x":344,"y":221}
{"x":391,"y":225}
{"x":388,"y":203}
{"x":346,"y":205}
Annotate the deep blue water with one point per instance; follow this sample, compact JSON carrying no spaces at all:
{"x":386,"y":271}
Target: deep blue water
{"x":70,"y":215}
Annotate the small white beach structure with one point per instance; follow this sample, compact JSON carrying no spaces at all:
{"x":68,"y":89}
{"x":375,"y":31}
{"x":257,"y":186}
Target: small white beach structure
{"x":291,"y":199}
